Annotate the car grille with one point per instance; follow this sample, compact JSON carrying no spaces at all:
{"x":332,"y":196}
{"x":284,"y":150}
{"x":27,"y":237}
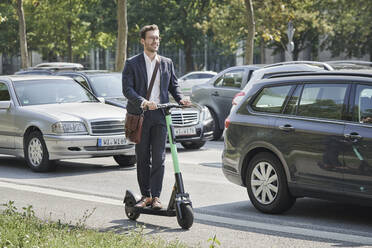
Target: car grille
{"x":107,"y":127}
{"x":185,"y":118}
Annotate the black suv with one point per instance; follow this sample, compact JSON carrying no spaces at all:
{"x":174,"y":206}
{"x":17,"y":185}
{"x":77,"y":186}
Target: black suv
{"x":307,"y":134}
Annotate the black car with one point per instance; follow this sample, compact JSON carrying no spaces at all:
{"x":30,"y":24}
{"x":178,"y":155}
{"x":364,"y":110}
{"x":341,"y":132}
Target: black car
{"x":192,"y":126}
{"x":307,"y":134}
{"x":217,"y":94}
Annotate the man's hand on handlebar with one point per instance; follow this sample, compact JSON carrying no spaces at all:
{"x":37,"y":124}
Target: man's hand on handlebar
{"x":149,"y":105}
{"x":185,"y":102}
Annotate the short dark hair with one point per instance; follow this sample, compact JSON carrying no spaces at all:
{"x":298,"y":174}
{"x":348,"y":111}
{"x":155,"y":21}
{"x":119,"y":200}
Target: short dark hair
{"x":147,"y":28}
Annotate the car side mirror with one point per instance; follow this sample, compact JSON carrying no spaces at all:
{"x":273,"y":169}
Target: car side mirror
{"x":101,"y":99}
{"x":4,"y":104}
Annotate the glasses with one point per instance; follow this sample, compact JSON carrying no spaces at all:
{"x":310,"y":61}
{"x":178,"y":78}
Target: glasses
{"x":154,"y":38}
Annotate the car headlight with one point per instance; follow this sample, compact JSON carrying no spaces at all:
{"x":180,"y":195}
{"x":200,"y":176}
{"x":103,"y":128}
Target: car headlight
{"x":69,"y":127}
{"x":206,"y":114}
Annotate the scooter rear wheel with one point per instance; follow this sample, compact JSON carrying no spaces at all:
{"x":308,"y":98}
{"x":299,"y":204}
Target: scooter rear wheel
{"x":129,"y":209}
{"x":187,"y":216}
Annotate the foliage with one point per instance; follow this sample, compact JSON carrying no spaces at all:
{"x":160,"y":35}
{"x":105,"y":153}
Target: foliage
{"x":228,"y":22}
{"x":25,"y":230}
{"x":214,"y":242}
{"x":352,"y":26}
{"x":56,"y":26}
{"x":9,"y":37}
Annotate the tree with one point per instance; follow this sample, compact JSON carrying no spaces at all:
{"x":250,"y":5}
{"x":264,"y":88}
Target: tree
{"x":251,"y":32}
{"x":177,"y":21}
{"x":57,"y":29}
{"x":9,"y":35}
{"x":307,"y":16}
{"x":232,"y":24}
{"x":352,"y":27}
{"x":121,"y":50}
{"x":22,"y":34}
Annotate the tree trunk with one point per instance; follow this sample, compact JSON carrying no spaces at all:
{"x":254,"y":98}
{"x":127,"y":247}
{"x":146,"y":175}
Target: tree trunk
{"x":121,"y":49}
{"x":262,"y":52}
{"x":69,"y":41}
{"x":188,"y":55}
{"x":251,"y":32}
{"x":22,"y":34}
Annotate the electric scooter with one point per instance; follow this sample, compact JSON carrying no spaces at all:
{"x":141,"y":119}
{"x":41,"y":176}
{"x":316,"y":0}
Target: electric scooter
{"x":180,"y":204}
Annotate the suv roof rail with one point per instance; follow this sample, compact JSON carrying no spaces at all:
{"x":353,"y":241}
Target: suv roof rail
{"x":315,"y":63}
{"x":354,"y":62}
{"x":350,"y":64}
{"x":322,"y":73}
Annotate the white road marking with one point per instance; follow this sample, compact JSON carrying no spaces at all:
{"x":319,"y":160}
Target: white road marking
{"x":61,"y":193}
{"x":204,"y":217}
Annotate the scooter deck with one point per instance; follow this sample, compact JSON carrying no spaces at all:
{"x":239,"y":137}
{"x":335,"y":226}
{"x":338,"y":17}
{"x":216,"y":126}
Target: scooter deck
{"x":161,"y":212}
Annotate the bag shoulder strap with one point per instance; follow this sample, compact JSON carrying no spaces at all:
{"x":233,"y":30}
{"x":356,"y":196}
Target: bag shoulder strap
{"x":152,"y":80}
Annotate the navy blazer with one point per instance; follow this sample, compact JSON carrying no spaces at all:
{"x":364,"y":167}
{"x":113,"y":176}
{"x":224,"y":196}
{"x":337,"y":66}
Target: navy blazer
{"x":135,"y":82}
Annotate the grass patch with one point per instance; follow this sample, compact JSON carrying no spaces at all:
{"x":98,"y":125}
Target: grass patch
{"x":23,"y":229}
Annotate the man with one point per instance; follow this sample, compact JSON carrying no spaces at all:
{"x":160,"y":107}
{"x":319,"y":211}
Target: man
{"x":150,"y":152}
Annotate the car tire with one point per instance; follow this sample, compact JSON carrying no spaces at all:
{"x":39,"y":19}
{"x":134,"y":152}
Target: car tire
{"x":36,"y":153}
{"x":267,"y":184}
{"x":217,"y":131}
{"x":193,"y":145}
{"x":125,"y":161}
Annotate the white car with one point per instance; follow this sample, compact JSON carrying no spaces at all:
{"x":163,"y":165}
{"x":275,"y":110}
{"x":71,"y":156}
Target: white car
{"x":187,"y":81}
{"x":47,"y":118}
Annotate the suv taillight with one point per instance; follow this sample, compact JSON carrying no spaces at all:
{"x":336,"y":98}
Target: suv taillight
{"x":238,"y":97}
{"x":227,"y":123}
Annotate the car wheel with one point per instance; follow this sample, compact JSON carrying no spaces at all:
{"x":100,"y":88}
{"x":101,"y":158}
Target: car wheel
{"x":217,"y":131}
{"x":193,"y":145}
{"x":125,"y":161}
{"x":36,"y":153}
{"x":267,"y":184}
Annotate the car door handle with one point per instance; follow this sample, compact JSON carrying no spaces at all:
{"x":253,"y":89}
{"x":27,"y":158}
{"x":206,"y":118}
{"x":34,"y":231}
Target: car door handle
{"x":287,"y":127}
{"x":353,"y":136}
{"x":215,"y":93}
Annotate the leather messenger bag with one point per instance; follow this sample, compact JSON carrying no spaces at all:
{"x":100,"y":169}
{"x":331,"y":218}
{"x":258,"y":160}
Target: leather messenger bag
{"x":133,"y":123}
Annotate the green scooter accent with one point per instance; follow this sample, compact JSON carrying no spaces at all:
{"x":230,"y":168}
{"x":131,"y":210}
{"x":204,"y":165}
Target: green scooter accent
{"x":180,"y":204}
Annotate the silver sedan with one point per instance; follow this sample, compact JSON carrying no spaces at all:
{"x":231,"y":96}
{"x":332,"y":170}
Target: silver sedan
{"x":45,"y":118}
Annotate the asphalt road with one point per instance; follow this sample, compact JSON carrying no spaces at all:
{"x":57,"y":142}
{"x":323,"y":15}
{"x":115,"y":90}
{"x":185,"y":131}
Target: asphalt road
{"x":96,"y":187}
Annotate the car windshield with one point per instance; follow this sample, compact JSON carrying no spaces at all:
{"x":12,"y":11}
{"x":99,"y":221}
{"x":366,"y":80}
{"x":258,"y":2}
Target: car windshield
{"x":50,"y":91}
{"x":107,"y":85}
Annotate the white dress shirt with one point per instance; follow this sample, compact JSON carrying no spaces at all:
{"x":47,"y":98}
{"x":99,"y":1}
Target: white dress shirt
{"x":150,"y":66}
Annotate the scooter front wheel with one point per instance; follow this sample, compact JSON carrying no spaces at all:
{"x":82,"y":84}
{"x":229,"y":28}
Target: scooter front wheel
{"x":129,"y":209}
{"x":186,"y":218}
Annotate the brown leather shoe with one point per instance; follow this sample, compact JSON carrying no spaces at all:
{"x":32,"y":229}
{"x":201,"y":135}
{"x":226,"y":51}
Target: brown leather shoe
{"x":156,"y":204}
{"x":145,"y":201}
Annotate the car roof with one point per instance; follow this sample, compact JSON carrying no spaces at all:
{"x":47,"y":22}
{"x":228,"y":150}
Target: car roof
{"x":350,"y":64}
{"x":96,"y":72}
{"x":202,"y":72}
{"x":31,"y":77}
{"x":345,"y":75}
{"x":59,"y":65}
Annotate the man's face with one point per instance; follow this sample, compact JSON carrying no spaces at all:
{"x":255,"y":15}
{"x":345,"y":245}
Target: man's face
{"x":151,"y":41}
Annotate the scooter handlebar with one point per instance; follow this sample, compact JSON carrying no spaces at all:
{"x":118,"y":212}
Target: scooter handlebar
{"x":168,"y":106}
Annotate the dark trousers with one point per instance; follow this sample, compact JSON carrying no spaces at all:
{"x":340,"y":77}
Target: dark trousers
{"x":150,"y":153}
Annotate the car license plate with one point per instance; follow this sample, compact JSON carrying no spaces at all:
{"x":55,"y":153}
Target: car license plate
{"x":112,"y":141}
{"x":184,"y":131}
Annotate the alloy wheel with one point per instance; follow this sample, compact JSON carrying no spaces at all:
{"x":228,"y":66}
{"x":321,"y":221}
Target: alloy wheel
{"x":35,"y":152}
{"x":264,"y":183}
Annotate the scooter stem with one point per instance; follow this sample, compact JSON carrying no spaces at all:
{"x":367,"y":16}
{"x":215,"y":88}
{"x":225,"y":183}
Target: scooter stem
{"x":173,"y":146}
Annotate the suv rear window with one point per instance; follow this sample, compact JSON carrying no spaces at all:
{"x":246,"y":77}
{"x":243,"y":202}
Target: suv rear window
{"x":322,"y":100}
{"x":271,"y":99}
